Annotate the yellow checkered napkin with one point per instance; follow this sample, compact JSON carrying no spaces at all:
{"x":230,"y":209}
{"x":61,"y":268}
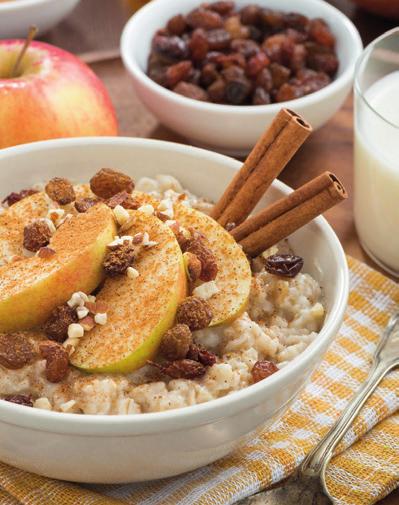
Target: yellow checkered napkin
{"x":365,"y":469}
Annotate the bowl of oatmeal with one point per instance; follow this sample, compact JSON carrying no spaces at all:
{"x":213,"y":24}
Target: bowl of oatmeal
{"x":234,"y":125}
{"x":76,"y":402}
{"x":17,"y":15}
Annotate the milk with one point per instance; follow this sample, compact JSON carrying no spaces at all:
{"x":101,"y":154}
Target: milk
{"x":377,"y":171}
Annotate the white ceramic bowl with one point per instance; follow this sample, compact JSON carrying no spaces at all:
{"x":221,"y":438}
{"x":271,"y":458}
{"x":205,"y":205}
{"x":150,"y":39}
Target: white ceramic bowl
{"x":114,"y":449}
{"x":17,"y":15}
{"x":227,"y":128}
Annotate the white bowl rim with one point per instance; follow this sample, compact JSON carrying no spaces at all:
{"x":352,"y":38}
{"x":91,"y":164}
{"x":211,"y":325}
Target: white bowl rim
{"x":12,"y":5}
{"x":172,"y":420}
{"x":307,"y":100}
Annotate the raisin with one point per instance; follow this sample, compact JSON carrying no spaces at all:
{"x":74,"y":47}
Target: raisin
{"x":25,"y":400}
{"x":255,"y":34}
{"x":280,"y":74}
{"x":191,"y":91}
{"x":108,"y":182}
{"x":118,"y":260}
{"x":173,"y":48}
{"x":15,"y":351}
{"x":56,"y":326}
{"x":176,"y":342}
{"x":251,"y":15}
{"x":181,"y":369}
{"x":36,"y":235}
{"x":289,"y":92}
{"x":296,"y":21}
{"x":263,"y":369}
{"x":203,"y":356}
{"x":222,"y":7}
{"x":232,"y":60}
{"x":320,"y":33}
{"x":286,"y":265}
{"x":194,"y":77}
{"x":13,"y":198}
{"x":213,"y":57}
{"x":84,"y":204}
{"x":57,"y":360}
{"x":261,"y":97}
{"x":177,"y":25}
{"x":193,"y":266}
{"x":218,"y":39}
{"x":209,"y":74}
{"x":204,"y":18}
{"x":324,"y":62}
{"x":198,"y":45}
{"x":216,"y":91}
{"x":247,"y":48}
{"x":60,"y":190}
{"x":278,"y":48}
{"x":235,"y":29}
{"x":237,"y":91}
{"x":195,"y":313}
{"x":200,"y":249}
{"x":256,"y":64}
{"x":272,"y":19}
{"x":178,"y":72}
{"x":265,"y":80}
{"x":298,"y":57}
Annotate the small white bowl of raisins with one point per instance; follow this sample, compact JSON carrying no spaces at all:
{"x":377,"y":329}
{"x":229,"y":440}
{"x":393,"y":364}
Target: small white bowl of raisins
{"x":217,"y":73}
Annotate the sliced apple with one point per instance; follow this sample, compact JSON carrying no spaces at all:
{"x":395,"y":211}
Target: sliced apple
{"x":22,"y":213}
{"x":234,"y":272}
{"x":32,"y":287}
{"x":139,"y":310}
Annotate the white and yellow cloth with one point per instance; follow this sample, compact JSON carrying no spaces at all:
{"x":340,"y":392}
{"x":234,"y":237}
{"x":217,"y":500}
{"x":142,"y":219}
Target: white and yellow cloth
{"x":365,"y":469}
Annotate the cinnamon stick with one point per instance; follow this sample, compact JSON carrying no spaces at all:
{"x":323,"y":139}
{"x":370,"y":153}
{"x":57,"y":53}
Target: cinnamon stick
{"x":270,"y":155}
{"x":288,"y":214}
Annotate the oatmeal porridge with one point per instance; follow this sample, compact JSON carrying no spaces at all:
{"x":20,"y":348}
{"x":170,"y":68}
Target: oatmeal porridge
{"x":230,"y":324}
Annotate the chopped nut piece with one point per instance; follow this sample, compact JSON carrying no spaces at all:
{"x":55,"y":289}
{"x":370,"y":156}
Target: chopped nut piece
{"x":181,"y":369}
{"x":198,"y":246}
{"x":138,"y":238}
{"x":84,"y":204}
{"x":15,"y":350}
{"x":263,"y":369}
{"x":207,"y":358}
{"x":132,"y":273}
{"x":13,"y":198}
{"x":36,"y":235}
{"x":75,"y":330}
{"x":108,"y":182}
{"x":68,"y":406}
{"x":193,"y":266}
{"x":147,"y":209}
{"x":57,"y":360}
{"x":121,"y":214}
{"x":176,"y":342}
{"x":119,"y":260}
{"x":78,"y":299}
{"x":45,"y":252}
{"x":124,"y":199}
{"x":43,"y":403}
{"x":195,"y":313}
{"x":82,"y":312}
{"x":56,"y":327}
{"x":25,"y":400}
{"x":56,"y":216}
{"x":101,"y":318}
{"x":60,"y":190}
{"x":206,"y":290}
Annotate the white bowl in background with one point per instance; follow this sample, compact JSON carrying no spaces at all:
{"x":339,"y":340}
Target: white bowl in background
{"x":111,"y":449}
{"x":230,"y":128}
{"x":17,"y":15}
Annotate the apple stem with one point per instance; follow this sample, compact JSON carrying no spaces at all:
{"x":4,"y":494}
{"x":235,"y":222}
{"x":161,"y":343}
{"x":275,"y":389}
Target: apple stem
{"x":31,"y":35}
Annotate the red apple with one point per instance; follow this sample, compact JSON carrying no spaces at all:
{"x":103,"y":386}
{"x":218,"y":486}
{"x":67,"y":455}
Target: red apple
{"x":55,"y":95}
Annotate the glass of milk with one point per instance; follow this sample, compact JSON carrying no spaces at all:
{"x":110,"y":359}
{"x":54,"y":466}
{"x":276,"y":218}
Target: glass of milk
{"x":377,"y":151}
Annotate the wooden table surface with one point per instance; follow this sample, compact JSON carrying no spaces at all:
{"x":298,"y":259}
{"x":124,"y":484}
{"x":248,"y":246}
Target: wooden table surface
{"x":96,"y":25}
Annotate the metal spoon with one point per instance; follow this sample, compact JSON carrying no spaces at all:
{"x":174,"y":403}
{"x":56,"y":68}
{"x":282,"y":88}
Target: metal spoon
{"x":308,"y":485}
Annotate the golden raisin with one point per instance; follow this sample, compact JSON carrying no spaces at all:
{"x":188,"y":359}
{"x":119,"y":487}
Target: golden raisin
{"x":108,"y":182}
{"x":195,"y":313}
{"x":15,"y":350}
{"x":36,"y":235}
{"x":60,"y":190}
{"x":57,"y":360}
{"x":176,"y":342}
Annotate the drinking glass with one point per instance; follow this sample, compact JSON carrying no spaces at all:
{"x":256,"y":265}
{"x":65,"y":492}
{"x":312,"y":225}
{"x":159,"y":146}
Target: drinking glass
{"x":376,"y":155}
